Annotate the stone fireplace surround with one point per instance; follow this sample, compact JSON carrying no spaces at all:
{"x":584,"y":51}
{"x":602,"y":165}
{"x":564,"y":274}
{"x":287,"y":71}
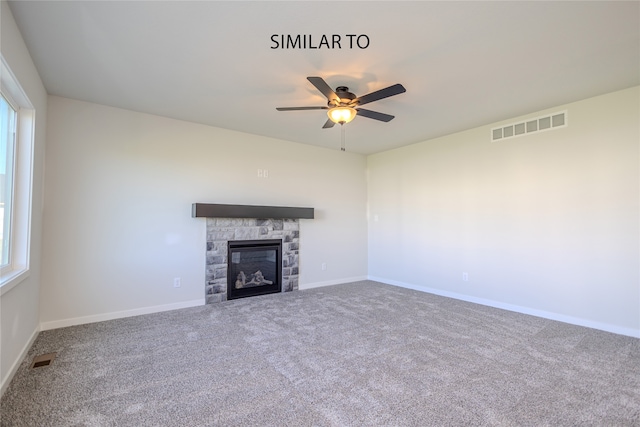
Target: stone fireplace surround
{"x":221,"y":230}
{"x":230,"y":222}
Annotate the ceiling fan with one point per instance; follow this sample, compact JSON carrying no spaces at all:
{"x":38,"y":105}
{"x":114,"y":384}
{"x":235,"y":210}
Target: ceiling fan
{"x":343,"y":105}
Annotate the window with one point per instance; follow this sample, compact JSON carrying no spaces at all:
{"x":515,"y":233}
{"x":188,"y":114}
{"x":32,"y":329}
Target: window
{"x":17,"y":121}
{"x":7,"y":149}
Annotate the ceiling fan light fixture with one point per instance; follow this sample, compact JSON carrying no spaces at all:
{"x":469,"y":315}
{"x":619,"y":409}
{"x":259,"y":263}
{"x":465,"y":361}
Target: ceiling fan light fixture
{"x":341,"y":115}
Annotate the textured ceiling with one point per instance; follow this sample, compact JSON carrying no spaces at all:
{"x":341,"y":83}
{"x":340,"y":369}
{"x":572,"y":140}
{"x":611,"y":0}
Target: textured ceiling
{"x":464,"y":64}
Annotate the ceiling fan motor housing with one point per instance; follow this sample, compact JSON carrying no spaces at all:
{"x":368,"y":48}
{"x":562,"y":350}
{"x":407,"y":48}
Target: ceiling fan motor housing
{"x":345,"y":97}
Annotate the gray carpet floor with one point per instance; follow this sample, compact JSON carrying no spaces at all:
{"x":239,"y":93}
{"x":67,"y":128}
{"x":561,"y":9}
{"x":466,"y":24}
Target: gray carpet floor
{"x":359,"y":354}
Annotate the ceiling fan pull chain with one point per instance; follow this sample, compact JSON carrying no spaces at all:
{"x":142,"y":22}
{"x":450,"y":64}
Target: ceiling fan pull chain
{"x":342,"y":137}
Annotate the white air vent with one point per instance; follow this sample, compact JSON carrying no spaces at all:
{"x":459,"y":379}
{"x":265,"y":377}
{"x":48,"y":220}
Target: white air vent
{"x":532,"y":125}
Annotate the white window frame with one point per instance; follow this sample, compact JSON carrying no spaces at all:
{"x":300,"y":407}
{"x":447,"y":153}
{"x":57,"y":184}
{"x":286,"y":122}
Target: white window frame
{"x":9,"y":166}
{"x":18,"y":268}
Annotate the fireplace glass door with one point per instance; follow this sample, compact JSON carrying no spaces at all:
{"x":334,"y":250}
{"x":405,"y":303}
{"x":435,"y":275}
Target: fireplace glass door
{"x":254,"y":268}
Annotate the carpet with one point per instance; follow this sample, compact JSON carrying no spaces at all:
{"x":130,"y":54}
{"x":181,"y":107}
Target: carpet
{"x":357,"y":354}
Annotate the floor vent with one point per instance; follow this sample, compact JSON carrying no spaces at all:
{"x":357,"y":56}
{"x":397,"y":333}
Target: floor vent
{"x":43,"y":360}
{"x":528,"y":126}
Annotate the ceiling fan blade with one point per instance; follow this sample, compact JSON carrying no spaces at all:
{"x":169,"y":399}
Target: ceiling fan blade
{"x":323,"y":87}
{"x":380,"y":94}
{"x":328,"y":124}
{"x":374,"y":115}
{"x":300,"y":108}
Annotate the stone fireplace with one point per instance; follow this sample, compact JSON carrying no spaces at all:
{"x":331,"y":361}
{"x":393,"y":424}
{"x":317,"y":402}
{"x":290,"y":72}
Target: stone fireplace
{"x":222,"y":231}
{"x":236,"y":229}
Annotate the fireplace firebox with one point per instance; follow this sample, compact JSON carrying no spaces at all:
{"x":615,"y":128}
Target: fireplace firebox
{"x":254,"y":267}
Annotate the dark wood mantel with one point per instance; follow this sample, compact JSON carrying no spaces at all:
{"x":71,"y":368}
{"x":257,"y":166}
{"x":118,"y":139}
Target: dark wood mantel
{"x":208,"y":210}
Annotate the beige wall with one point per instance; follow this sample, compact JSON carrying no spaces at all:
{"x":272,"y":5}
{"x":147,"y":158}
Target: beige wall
{"x":19,"y":316}
{"x":545,"y":223}
{"x":119,"y":190}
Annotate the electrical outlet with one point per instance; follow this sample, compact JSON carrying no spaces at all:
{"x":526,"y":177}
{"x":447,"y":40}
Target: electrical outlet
{"x":324,"y":266}
{"x":265,"y":173}
{"x":465,"y":277}
{"x":177,"y":282}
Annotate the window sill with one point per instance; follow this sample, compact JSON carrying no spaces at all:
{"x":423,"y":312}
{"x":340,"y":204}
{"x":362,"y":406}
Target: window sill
{"x":10,"y":279}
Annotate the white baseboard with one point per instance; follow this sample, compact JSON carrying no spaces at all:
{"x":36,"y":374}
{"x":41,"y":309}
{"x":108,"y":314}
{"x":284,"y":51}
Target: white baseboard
{"x":16,"y":364}
{"x":517,"y":308}
{"x":44,"y":326}
{"x":304,"y":286}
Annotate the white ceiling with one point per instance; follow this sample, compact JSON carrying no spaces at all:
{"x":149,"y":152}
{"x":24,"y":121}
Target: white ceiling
{"x":464,"y":64}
